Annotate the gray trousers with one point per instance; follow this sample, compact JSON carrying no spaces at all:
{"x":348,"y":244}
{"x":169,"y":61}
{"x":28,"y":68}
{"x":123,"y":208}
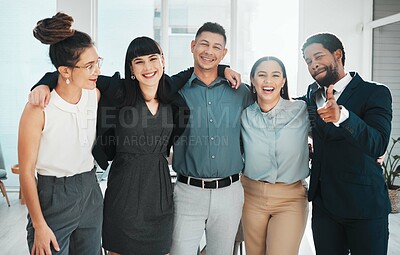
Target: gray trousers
{"x":73,"y":209}
{"x":215,"y":211}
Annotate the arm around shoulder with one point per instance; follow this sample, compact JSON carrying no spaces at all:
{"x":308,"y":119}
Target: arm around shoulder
{"x":49,"y":79}
{"x":40,"y":92}
{"x":175,"y":82}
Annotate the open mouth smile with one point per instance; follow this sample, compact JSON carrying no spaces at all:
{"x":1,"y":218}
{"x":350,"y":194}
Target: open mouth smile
{"x":268,"y":89}
{"x":150,"y":75}
{"x":207,"y":59}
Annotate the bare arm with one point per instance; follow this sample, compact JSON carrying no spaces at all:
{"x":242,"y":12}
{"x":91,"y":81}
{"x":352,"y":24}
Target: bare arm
{"x":30,"y":131}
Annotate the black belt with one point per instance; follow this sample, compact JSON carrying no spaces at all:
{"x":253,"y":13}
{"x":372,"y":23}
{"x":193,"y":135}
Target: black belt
{"x":215,"y":184}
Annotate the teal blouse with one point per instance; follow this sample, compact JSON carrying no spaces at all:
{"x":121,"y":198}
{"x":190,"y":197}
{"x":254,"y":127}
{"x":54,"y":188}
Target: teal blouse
{"x":276,"y":142}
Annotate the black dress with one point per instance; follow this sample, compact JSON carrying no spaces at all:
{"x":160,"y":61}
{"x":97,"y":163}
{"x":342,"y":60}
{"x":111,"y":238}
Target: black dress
{"x":138,"y":204}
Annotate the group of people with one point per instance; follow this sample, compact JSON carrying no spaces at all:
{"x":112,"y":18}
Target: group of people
{"x":250,"y":164}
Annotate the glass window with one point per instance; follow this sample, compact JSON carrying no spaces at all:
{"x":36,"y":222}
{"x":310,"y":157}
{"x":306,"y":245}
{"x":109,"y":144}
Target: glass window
{"x":269,"y":28}
{"x":263,"y":28}
{"x":385,"y":8}
{"x":119,"y":22}
{"x":386,"y":66}
{"x":23,"y":61}
{"x":185,"y":18}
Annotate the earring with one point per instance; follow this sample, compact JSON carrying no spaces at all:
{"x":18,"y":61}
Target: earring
{"x":133,"y":77}
{"x":254,"y":90}
{"x":67,"y":81}
{"x":282,"y":91}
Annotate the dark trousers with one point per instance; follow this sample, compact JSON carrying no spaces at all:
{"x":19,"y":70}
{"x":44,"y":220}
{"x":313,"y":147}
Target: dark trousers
{"x":73,"y":209}
{"x":336,"y":236}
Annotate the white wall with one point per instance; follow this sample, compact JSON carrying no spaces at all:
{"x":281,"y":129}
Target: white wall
{"x":84,"y":13}
{"x":341,"y":17}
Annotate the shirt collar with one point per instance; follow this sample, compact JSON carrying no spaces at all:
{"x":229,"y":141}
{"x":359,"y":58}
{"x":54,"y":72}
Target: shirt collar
{"x":273,"y":111}
{"x":341,"y":84}
{"x":194,"y":80}
{"x":68,"y":107}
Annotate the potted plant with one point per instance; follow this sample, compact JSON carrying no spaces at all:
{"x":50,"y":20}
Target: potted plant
{"x":391,"y":170}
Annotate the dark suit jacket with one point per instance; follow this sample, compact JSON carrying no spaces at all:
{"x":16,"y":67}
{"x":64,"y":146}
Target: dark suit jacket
{"x":345,"y":176}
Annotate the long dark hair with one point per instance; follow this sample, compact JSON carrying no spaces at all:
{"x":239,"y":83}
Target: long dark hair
{"x":140,"y":46}
{"x":66,"y":44}
{"x":285,"y":93}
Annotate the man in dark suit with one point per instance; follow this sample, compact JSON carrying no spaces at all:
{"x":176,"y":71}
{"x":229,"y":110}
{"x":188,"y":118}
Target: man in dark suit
{"x":351,"y":124}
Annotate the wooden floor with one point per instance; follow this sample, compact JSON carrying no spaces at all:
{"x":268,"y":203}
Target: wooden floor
{"x":13,"y":234}
{"x":12,"y":226}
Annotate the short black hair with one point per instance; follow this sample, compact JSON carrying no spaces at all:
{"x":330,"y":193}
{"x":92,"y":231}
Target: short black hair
{"x":329,"y":41}
{"x":212,"y":27}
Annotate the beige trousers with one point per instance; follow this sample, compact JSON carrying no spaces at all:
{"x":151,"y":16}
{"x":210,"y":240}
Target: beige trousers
{"x":274,"y":217}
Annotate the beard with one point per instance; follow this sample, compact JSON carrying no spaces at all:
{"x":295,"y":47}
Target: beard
{"x":331,"y":77}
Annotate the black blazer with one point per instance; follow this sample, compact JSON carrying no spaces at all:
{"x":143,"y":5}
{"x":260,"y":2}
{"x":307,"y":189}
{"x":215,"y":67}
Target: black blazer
{"x":345,"y":176}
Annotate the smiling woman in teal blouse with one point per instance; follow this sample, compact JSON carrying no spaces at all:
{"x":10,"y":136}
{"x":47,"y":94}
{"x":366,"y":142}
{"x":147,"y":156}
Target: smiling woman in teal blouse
{"x":275,"y":138}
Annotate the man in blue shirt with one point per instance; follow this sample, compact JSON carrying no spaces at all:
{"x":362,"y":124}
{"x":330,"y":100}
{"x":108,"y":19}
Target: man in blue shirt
{"x":207,"y":158}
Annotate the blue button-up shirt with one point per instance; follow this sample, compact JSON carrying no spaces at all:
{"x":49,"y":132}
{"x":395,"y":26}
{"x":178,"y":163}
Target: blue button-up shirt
{"x":210,"y":144}
{"x":276,"y":142}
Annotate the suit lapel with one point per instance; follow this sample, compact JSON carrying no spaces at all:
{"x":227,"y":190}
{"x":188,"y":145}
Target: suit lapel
{"x":344,"y":97}
{"x":318,"y":125}
{"x":314,"y":88}
{"x":350,"y":89}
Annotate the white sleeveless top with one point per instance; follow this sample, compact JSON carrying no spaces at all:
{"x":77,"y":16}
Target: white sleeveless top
{"x":68,"y":135}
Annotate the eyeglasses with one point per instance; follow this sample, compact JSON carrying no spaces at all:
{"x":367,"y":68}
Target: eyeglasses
{"x":92,"y":67}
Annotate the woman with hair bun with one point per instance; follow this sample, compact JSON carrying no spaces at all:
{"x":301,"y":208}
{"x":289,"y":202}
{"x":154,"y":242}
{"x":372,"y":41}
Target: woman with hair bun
{"x":65,"y":206}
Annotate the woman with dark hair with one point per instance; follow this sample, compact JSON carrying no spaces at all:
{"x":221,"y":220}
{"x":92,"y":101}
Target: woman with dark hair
{"x":65,"y":207}
{"x":138,"y":205}
{"x":275,"y":133}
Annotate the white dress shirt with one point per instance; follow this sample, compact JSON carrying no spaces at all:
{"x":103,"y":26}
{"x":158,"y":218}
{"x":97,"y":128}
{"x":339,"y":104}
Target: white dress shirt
{"x":339,"y":87}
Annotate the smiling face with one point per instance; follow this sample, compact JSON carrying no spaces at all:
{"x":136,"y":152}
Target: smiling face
{"x":268,"y":81}
{"x":86,"y":70}
{"x":208,"y":50}
{"x":325,"y":67}
{"x":148,"y":69}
